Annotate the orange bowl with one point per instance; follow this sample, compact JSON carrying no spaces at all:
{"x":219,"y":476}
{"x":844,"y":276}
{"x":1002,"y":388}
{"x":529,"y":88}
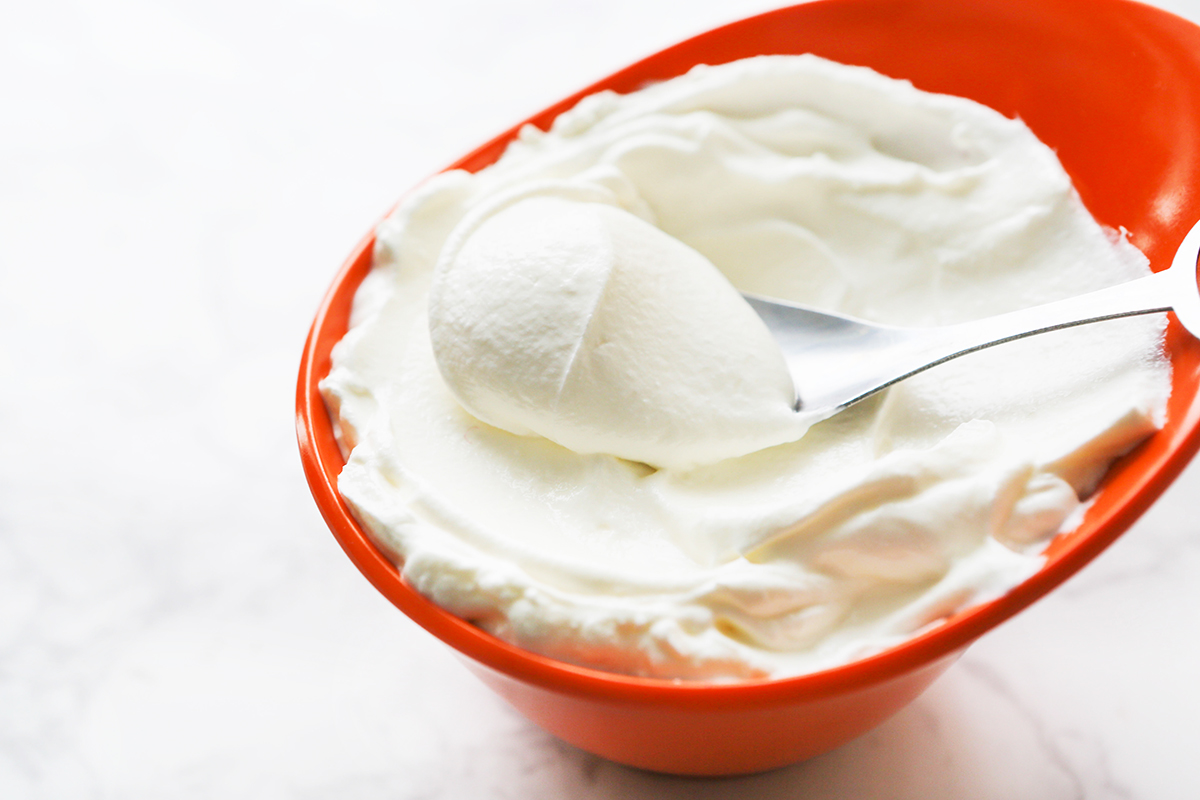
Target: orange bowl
{"x":1114,"y":87}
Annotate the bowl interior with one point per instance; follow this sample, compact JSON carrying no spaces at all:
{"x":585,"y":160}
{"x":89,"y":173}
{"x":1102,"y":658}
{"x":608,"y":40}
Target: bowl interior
{"x":1112,"y":86}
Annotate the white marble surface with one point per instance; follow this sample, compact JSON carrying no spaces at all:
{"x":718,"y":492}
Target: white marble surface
{"x":178,"y":183}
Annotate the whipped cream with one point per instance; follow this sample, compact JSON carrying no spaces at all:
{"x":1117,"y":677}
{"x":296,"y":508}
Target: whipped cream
{"x":565,"y":425}
{"x":558,"y":313}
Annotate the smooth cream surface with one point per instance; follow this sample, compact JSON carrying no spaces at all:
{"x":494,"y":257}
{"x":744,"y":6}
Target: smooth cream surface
{"x":567,"y":427}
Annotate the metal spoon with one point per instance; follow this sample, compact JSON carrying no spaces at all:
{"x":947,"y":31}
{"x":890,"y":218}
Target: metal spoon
{"x":837,"y":360}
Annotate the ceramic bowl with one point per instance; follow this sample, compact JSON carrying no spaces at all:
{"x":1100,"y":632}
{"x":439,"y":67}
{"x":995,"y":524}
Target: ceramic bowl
{"x":1114,"y":88}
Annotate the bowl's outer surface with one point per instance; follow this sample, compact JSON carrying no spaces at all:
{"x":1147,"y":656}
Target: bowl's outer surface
{"x":717,"y":741}
{"x":1114,"y":87}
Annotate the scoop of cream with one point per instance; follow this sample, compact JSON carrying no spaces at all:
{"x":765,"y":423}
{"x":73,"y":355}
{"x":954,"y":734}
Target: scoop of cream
{"x":556,"y":314}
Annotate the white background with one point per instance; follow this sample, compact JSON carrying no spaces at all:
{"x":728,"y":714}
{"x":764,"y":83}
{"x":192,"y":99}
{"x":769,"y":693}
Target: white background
{"x":179,"y":182}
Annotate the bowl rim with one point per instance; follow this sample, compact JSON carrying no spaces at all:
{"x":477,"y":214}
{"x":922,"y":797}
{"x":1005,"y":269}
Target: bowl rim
{"x":322,"y":460}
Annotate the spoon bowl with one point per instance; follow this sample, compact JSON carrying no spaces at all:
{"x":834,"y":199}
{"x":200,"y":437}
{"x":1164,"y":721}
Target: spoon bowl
{"x":837,"y":360}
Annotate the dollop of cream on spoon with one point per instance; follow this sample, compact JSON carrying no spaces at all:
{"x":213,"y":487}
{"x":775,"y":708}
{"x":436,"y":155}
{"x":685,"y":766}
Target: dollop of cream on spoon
{"x":558,"y":314}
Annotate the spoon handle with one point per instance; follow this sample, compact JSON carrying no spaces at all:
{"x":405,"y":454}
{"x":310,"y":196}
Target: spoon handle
{"x":837,"y":360}
{"x":1148,"y":295}
{"x":1172,"y":289}
{"x":904,"y":352}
